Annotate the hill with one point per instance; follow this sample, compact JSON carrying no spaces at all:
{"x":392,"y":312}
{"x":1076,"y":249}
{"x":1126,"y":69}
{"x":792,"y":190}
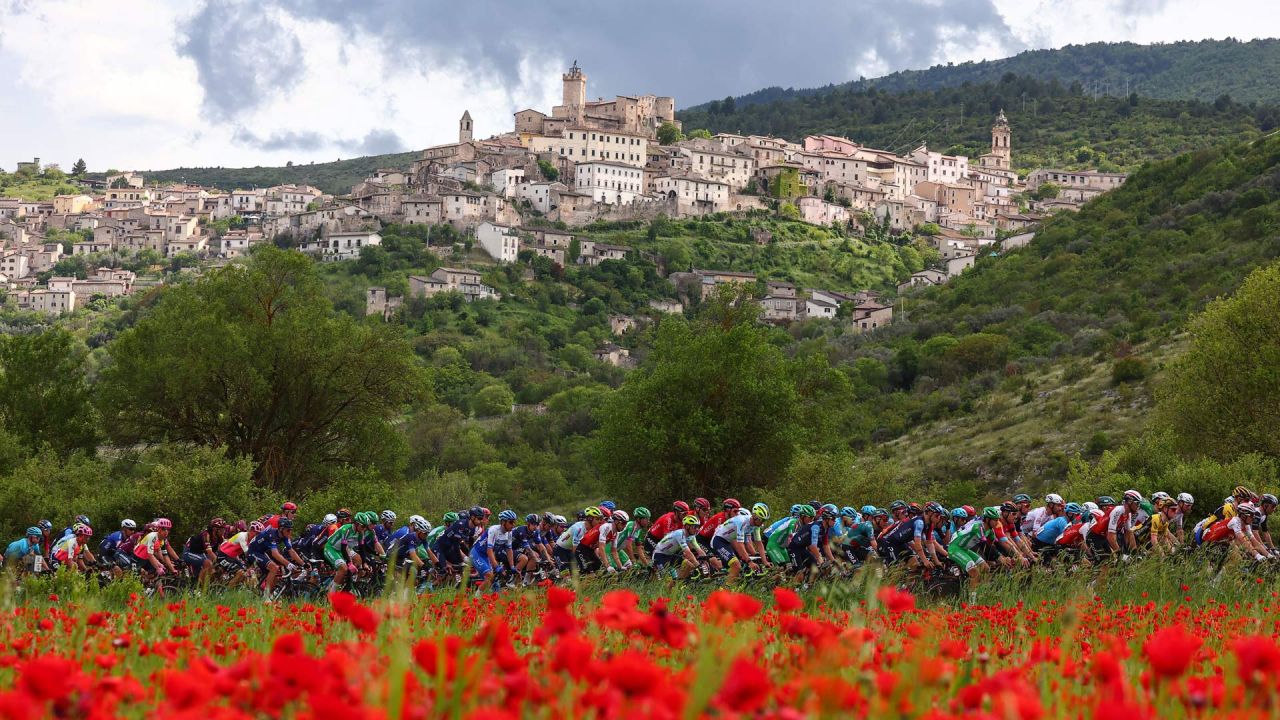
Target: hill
{"x":1202,"y":70}
{"x":1054,"y":125}
{"x":331,"y":177}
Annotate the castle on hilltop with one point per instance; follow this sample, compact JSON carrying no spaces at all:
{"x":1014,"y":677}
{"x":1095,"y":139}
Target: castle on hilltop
{"x":635,"y":114}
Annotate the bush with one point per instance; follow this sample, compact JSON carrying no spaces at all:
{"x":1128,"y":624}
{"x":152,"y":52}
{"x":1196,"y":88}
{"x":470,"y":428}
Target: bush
{"x":1127,"y":370}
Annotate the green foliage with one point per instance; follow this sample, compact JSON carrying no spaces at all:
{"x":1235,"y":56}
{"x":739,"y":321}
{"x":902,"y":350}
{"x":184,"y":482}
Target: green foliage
{"x":700,"y":133}
{"x":44,"y":396}
{"x":1128,"y":370}
{"x":1222,"y":398}
{"x":548,"y":170}
{"x":787,"y":186}
{"x":79,"y":168}
{"x":492,"y":400}
{"x":251,"y":358}
{"x":331,"y":177}
{"x":669,"y":134}
{"x":710,"y":411}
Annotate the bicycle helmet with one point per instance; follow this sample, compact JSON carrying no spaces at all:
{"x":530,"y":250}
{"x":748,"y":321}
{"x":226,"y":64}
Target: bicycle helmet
{"x":530,"y":519}
{"x":83,"y":520}
{"x":1073,"y":509}
{"x":1269,"y":498}
{"x":344,"y":514}
{"x":218,"y":523}
{"x":1089,"y":506}
{"x":1022,"y":498}
{"x":641,"y":513}
{"x":731,"y":505}
{"x":581,"y":515}
{"x":330,"y":519}
{"x":287,"y":507}
{"x":970,"y":510}
{"x":621,"y":516}
{"x":868,"y":509}
{"x":419,"y":524}
{"x":127,"y":524}
{"x":881,"y":513}
{"x":451,"y":517}
{"x":255,"y":527}
{"x":795,"y":509}
{"x":680,"y":507}
{"x":991,"y":513}
{"x":593,"y":512}
{"x":1007,"y":506}
{"x":829,"y":512}
{"x":44,"y":525}
{"x":548,"y":517}
{"x":1160,"y":495}
{"x":935,"y":507}
{"x":34,"y":531}
{"x":82,"y":529}
{"x":284,"y":524}
{"x":960,"y":514}
{"x":815,"y":504}
{"x":1241,"y":492}
{"x":507,"y":516}
{"x":561,"y":520}
{"x":702,"y":503}
{"x":1247,"y":509}
{"x":914,"y":509}
{"x":848,"y":512}
{"x":1053,"y":498}
{"x":387,"y":516}
{"x":1106,"y":501}
{"x":808,"y":511}
{"x":368,"y":517}
{"x":760,"y":510}
{"x":897,"y":505}
{"x":163,"y":523}
{"x":1186,"y":498}
{"x":476,"y":512}
{"x":609,"y":504}
{"x":487,"y":512}
{"x":691,"y":521}
{"x":1132,"y":496}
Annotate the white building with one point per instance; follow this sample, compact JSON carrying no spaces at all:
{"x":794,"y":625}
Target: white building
{"x":942,"y":168}
{"x":340,"y":245}
{"x":505,"y":181}
{"x":500,"y":241}
{"x":609,"y":182}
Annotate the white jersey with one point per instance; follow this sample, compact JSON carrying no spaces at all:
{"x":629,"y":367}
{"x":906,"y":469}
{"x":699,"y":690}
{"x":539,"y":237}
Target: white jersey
{"x":674,"y":543}
{"x":1035,"y":521}
{"x":735,"y":528}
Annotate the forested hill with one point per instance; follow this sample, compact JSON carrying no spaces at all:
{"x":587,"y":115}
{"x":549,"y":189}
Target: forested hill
{"x":1201,"y":70}
{"x":331,"y":177}
{"x":1053,"y":125}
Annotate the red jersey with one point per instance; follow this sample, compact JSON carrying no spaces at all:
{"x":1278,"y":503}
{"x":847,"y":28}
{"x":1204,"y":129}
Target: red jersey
{"x":664,"y":525}
{"x":591,"y":538}
{"x":1071,"y":536}
{"x":713,"y":522}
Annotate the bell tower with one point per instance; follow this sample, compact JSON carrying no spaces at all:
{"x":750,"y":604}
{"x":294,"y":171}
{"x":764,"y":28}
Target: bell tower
{"x":1001,"y":136}
{"x":464,"y":127}
{"x":575,"y":91}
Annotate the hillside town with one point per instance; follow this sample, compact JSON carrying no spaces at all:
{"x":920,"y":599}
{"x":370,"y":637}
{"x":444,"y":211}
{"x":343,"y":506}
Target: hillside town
{"x":528,"y":188}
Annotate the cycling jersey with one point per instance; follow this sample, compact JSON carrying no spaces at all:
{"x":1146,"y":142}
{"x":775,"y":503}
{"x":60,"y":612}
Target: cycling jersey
{"x":808,"y":535}
{"x":268,"y":541}
{"x":235,"y":546}
{"x":1119,"y":520}
{"x":151,"y":545}
{"x":522,"y":538}
{"x":860,"y":534}
{"x":631,"y":531}
{"x":20,"y":548}
{"x":963,"y":548}
{"x":381,"y":532}
{"x":570,"y":538}
{"x":66,"y":549}
{"x":111,"y":543}
{"x":785,"y":522}
{"x":1052,"y":530}
{"x":605,"y":534}
{"x":346,"y":538}
{"x":495,"y":537}
{"x":434,"y":536}
{"x":1073,"y":534}
{"x":708,"y":529}
{"x":674,"y":543}
{"x":664,"y":525}
{"x":736,"y":528}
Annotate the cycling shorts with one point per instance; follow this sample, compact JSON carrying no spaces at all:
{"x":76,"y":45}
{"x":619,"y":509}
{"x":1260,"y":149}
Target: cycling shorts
{"x":660,"y":560}
{"x":480,"y":564}
{"x":723,"y":550}
{"x":194,"y":560}
{"x":334,"y":557}
{"x":965,"y":558}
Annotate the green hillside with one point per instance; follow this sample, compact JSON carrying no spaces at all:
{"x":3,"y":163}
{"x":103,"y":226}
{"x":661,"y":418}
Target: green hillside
{"x":1202,"y":70}
{"x":1053,"y":124}
{"x":331,"y":177}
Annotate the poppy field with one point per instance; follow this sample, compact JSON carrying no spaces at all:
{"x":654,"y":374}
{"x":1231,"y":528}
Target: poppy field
{"x":552,"y":654}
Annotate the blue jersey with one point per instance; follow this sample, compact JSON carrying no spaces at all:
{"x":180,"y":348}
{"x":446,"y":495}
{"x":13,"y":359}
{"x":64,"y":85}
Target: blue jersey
{"x":110,"y":543}
{"x":405,"y":540}
{"x":1052,"y":530}
{"x":458,"y":533}
{"x":267,"y":541}
{"x":808,"y":535}
{"x":21,"y":548}
{"x":522,"y":537}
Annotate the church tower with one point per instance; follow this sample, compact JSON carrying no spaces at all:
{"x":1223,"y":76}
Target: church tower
{"x":1000,"y":142}
{"x":464,"y":127}
{"x":575,"y":92}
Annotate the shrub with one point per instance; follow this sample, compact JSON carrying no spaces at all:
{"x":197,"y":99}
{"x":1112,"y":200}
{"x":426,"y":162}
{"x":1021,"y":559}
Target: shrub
{"x":1127,"y":370}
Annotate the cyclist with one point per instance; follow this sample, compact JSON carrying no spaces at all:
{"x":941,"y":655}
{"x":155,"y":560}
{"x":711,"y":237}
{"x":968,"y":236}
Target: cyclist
{"x":455,"y":542}
{"x":729,"y":508}
{"x":809,"y":540}
{"x":569,"y":538}
{"x":778,"y":536}
{"x":589,"y":544}
{"x":1238,"y":531}
{"x":1121,"y":522}
{"x":22,"y":553}
{"x":383,"y":530}
{"x":962,"y":549}
{"x":1045,"y":542}
{"x":901,"y":538}
{"x":1162,"y":523}
{"x":1266,"y":507}
{"x":930,"y":542}
{"x":342,"y":549}
{"x":493,"y":543}
{"x":70,"y":550}
{"x":232,"y":552}
{"x":154,"y":551}
{"x":287,"y":510}
{"x":630,"y":543}
{"x":526,"y":544}
{"x":674,"y":548}
{"x":268,"y":552}
{"x":46,"y":542}
{"x":311,"y":543}
{"x":666,"y":523}
{"x":606,"y":548}
{"x":733,"y":543}
{"x":1225,"y":511}
{"x":1037,"y":518}
{"x":859,"y":538}
{"x":433,"y":539}
{"x":197,"y":551}
{"x":70,"y":529}
{"x":1186,"y":503}
{"x":1008,"y":544}
{"x":113,"y":545}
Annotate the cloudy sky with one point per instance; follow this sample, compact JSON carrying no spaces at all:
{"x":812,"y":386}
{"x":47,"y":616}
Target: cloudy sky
{"x":151,"y":84}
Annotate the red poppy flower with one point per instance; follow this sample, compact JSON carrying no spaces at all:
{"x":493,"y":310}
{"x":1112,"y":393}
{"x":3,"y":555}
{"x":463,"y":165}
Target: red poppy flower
{"x":1170,"y":650}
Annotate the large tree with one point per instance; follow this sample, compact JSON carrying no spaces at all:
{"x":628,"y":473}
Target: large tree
{"x":1222,"y":397}
{"x":44,"y":400}
{"x":252,"y":358}
{"x":712,"y":411}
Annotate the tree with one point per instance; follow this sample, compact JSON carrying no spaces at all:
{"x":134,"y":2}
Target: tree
{"x":1221,"y":399}
{"x":711,"y":411}
{"x":669,"y":134}
{"x":252,"y":359}
{"x":549,"y":171}
{"x":492,"y":400}
{"x":79,"y":168}
{"x":700,"y":133}
{"x":44,"y":399}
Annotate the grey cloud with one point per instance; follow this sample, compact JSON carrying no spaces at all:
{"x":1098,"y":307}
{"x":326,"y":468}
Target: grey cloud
{"x":242,"y":54}
{"x":376,"y":142}
{"x":695,"y":51}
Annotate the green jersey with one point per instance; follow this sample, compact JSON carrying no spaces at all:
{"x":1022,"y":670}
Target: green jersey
{"x":971,"y":536}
